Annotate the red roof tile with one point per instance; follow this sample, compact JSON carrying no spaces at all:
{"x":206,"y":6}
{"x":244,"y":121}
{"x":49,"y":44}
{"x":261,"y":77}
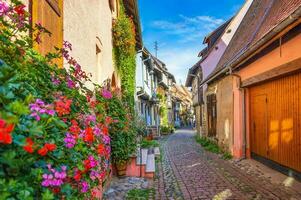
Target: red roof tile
{"x":261,"y":18}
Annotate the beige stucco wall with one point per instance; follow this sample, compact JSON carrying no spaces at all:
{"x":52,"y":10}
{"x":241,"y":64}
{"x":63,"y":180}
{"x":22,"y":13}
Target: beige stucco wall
{"x":84,"y":22}
{"x":224,"y":125}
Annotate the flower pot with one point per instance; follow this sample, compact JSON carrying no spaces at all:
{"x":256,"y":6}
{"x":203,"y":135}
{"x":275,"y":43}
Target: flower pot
{"x":121,"y":169}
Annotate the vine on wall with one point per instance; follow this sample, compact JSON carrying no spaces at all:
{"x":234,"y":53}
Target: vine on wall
{"x":125,"y":53}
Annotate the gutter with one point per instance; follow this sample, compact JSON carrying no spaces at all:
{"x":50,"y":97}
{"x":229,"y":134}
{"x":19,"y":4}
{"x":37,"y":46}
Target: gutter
{"x":242,"y":57}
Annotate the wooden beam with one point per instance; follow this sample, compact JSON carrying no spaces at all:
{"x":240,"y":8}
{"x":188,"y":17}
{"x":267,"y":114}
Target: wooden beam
{"x":277,"y":72}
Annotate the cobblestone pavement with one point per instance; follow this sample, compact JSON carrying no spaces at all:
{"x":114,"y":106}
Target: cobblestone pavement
{"x":119,"y":187}
{"x":186,"y":171}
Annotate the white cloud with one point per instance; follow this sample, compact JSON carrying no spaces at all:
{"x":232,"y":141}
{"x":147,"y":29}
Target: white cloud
{"x":179,"y":60}
{"x":183,"y":40}
{"x":188,"y":28}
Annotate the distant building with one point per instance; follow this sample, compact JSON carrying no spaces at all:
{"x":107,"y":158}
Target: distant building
{"x":153,"y":82}
{"x":183,"y":112}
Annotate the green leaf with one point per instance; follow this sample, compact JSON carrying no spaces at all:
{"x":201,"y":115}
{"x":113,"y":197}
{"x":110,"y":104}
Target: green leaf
{"x":36,"y":130}
{"x":47,"y":195}
{"x":18,"y":108}
{"x":67,"y":189}
{"x":19,"y":139}
{"x":25,"y":194}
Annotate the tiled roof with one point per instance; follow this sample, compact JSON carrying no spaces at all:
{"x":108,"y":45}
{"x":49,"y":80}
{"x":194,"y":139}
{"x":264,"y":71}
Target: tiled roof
{"x":280,"y":10}
{"x":261,"y":18}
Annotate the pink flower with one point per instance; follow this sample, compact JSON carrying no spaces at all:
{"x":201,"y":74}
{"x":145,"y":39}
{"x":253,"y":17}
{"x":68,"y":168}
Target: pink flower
{"x":70,"y":141}
{"x":70,"y":83}
{"x":106,"y":94}
{"x":4,"y":8}
{"x":55,"y":81}
{"x":85,"y":187}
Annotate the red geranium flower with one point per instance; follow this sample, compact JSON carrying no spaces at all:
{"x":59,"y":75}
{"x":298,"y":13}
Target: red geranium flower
{"x":29,"y":145}
{"x":77,"y":175}
{"x":89,"y":137}
{"x":43,"y":151}
{"x":5,"y":132}
{"x":28,"y":148}
{"x":20,"y":9}
{"x":74,"y":128}
{"x":50,"y":147}
{"x":105,"y":130}
{"x":62,"y":106}
{"x":101,"y":149}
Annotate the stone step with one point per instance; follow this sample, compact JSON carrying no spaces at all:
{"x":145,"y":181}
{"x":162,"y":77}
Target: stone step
{"x":141,"y":156}
{"x":150,"y":164}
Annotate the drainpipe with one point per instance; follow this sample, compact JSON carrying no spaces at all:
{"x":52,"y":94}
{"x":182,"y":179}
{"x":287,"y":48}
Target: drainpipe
{"x":244,"y":132}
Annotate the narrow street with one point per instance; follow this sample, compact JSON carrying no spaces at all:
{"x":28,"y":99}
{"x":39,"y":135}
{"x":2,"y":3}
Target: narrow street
{"x":189,"y":172}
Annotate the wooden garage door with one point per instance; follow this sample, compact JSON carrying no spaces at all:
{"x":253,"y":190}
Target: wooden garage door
{"x":50,"y":14}
{"x":275,"y":121}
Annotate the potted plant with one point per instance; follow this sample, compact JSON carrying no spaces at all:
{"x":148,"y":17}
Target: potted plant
{"x":120,"y":154}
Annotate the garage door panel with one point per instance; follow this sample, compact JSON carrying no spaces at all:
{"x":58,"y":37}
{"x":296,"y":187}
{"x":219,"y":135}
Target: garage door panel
{"x":275,"y":124}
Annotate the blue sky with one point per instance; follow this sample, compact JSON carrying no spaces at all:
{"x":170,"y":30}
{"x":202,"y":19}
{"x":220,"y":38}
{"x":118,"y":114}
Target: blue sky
{"x":179,"y":26}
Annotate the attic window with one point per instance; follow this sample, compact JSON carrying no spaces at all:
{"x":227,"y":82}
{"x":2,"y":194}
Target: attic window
{"x":229,"y":31}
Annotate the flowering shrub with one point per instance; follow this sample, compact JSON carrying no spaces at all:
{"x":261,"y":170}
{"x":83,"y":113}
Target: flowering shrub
{"x":54,"y":132}
{"x":124,"y":41}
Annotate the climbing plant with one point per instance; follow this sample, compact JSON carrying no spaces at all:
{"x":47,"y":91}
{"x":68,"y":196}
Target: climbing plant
{"x":124,"y":54}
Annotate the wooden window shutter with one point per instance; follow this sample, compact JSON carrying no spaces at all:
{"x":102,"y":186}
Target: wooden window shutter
{"x":49,"y":13}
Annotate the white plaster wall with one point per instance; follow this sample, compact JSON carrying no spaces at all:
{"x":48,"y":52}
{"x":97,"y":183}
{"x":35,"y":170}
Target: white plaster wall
{"x":234,"y":24}
{"x":84,"y":21}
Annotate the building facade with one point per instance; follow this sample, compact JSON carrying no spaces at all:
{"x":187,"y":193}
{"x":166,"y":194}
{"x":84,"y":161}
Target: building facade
{"x":88,"y":27}
{"x":264,"y":68}
{"x":153,"y":83}
{"x":216,"y":97}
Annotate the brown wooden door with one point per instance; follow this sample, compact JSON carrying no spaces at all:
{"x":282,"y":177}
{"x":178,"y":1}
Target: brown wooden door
{"x":49,"y":13}
{"x":259,"y":125}
{"x":211,"y":114}
{"x":275,"y":113}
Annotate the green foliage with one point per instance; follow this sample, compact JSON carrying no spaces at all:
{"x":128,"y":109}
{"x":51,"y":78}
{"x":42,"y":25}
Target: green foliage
{"x":208,"y":144}
{"x":26,"y":76}
{"x":227,"y":156}
{"x":163,"y":110}
{"x":167,"y":129}
{"x":139,"y":194}
{"x":125,"y":54}
{"x":213,"y":147}
{"x":148,"y":144}
{"x":123,"y":132}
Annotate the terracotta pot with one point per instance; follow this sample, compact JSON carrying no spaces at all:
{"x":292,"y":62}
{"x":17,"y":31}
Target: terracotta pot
{"x":149,"y":138}
{"x":121,"y":169}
